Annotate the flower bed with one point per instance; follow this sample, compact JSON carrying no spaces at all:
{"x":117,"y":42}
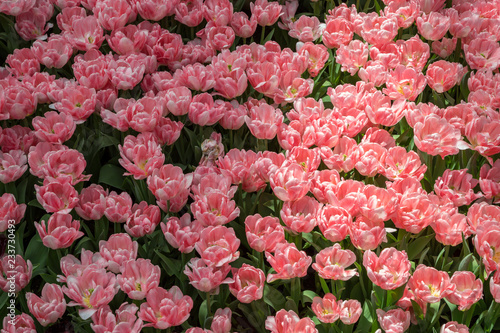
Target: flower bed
{"x":215,"y":166}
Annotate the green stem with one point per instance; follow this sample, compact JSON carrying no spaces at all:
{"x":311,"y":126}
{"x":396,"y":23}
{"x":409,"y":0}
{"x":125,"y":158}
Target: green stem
{"x":296,"y":290}
{"x":263,"y":35}
{"x":117,"y":228}
{"x":298,"y":241}
{"x":209,"y":313}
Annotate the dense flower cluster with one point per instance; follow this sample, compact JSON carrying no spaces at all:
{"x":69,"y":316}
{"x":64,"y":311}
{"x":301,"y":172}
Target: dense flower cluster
{"x":351,"y":149}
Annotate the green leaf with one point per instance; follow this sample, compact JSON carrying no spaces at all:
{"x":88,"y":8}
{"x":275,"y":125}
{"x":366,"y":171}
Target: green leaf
{"x":203,"y":311}
{"x":112,"y":175}
{"x":269,"y":36}
{"x":35,"y":203}
{"x":366,"y":320}
{"x":172,"y":266}
{"x":308,"y":296}
{"x":36,"y":252}
{"x":416,"y":247}
{"x":274,"y":298}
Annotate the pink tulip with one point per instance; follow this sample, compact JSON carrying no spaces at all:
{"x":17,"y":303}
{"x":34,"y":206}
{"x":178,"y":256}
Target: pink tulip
{"x":430,"y":285}
{"x":22,"y":62}
{"x":326,"y":309}
{"x":242,"y":25}
{"x":266,"y":13}
{"x":404,"y":82}
{"x":10,"y":211}
{"x":92,"y":290}
{"x":456,"y":185}
{"x":182,"y":233}
{"x":50,"y":307}
{"x":91,"y":69}
{"x":453,"y":327}
{"x":214,"y":209}
{"x":118,"y":249}
{"x":394,"y":321}
{"x":165,"y":308}
{"x":12,"y":165}
{"x":15,"y":273}
{"x":442,"y":75}
{"x":487,"y":244}
{"x":218,"y":246}
{"x":350,"y":311}
{"x":378,"y":30}
{"x":301,"y":215}
{"x":331,"y":263}
{"x":482,"y":53}
{"x":388,"y":271}
{"x":118,"y":207}
{"x":92,"y":202}
{"x":415,"y":212}
{"x":64,"y":165}
{"x":400,"y":164}
{"x":469,"y":290}
{"x":495,"y":286}
{"x":290,"y":183}
{"x":57,"y":196}
{"x":288,"y":262}
{"x":125,"y":319}
{"x":54,"y":53}
{"x":70,"y":265}
{"x":20,"y":323}
{"x":127,"y":71}
{"x":263,"y":233}
{"x":367,"y":234}
{"x":433,"y":26}
{"x":155,"y":10}
{"x":59,"y":232}
{"x":289,"y":321}
{"x":450,"y":229}
{"x":352,"y":56}
{"x":263,"y":121}
{"x":54,"y":127}
{"x":207,"y":278}
{"x":113,"y":14}
{"x":248,"y":283}
{"x":141,"y":155}
{"x":222,"y":321}
{"x":138,"y":277}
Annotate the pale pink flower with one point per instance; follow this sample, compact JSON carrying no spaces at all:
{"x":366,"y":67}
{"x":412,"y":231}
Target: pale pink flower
{"x":289,"y":321}
{"x":288,"y":262}
{"x":433,"y":26}
{"x":15,"y":273}
{"x":54,"y":53}
{"x":482,"y":53}
{"x":248,"y":283}
{"x":138,"y":277}
{"x":352,"y":56}
{"x":141,"y":155}
{"x":10,"y":211}
{"x":338,"y":31}
{"x":143,"y":220}
{"x":415,"y":212}
{"x":242,"y":25}
{"x":301,"y":215}
{"x":469,"y":290}
{"x":430,"y":285}
{"x":118,"y":207}
{"x":207,"y":278}
{"x":59,"y":232}
{"x":263,"y":233}
{"x":367,"y":234}
{"x":165,"y":308}
{"x":305,"y":29}
{"x":263,"y":121}
{"x":155,"y":10}
{"x":404,"y":82}
{"x":12,"y":165}
{"x":458,"y":186}
{"x":218,"y":246}
{"x":93,"y":289}
{"x":442,"y":75}
{"x":57,"y":196}
{"x":290,"y":183}
{"x":326,"y":309}
{"x":331,"y":263}
{"x":378,"y":30}
{"x":123,"y":320}
{"x":20,"y":323}
{"x":390,"y":270}
{"x":118,"y":249}
{"x":454,"y":327}
{"x":50,"y":307}
{"x":266,"y":13}
{"x":350,"y":311}
{"x":113,"y":14}
{"x":394,"y":321}
{"x":444,"y":47}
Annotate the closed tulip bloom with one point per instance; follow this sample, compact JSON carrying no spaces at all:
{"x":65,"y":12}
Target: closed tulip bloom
{"x":338,"y":31}
{"x":378,"y":30}
{"x":118,"y":249}
{"x":20,"y":323}
{"x":242,"y":25}
{"x":91,"y":69}
{"x":289,"y":321}
{"x":484,"y":136}
{"x":118,"y":207}
{"x":50,"y":307}
{"x":23,"y":62}
{"x":489,"y":181}
{"x":454,"y":327}
{"x":127,"y":71}
{"x":430,"y":285}
{"x":12,"y":165}
{"x":248,"y":283}
{"x":59,"y":232}
{"x":222,"y":321}
{"x":92,"y":202}
{"x":450,"y":229}
{"x":206,"y":278}
{"x":394,"y":321}
{"x":415,"y":212}
{"x":155,"y":10}
{"x":469,"y":290}
{"x":326,"y":309}
{"x":113,"y":14}
{"x":10,"y":211}
{"x":93,"y":289}
{"x":266,"y":13}
{"x":123,"y":320}
{"x":288,"y":262}
{"x":182,"y":233}
{"x":204,"y":111}
{"x":444,"y":47}
{"x":290,"y":183}
{"x":495,"y":286}
{"x":19,"y":275}
{"x":143,"y":220}
{"x":487,"y":245}
{"x":263,"y":233}
{"x":138,"y":277}
{"x":388,"y":271}
{"x":352,"y":56}
{"x":350,"y":311}
{"x":57,"y":196}
{"x":480,"y":213}
{"x":334,"y":223}
{"x":218,"y":246}
{"x":331,"y":263}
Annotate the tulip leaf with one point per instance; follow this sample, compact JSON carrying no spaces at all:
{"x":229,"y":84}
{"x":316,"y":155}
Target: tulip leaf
{"x":36,"y":252}
{"x":366,"y":319}
{"x":203,"y":311}
{"x":274,"y":298}
{"x":112,"y":175}
{"x":308,"y":296}
{"x":416,"y":247}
